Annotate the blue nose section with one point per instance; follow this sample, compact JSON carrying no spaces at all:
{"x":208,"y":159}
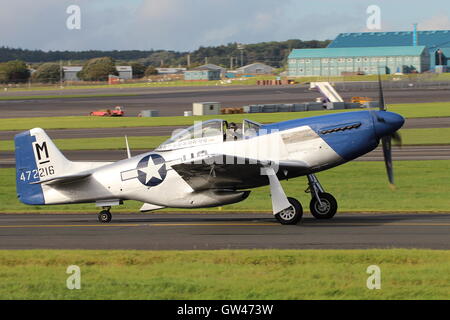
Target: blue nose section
{"x":386,"y":123}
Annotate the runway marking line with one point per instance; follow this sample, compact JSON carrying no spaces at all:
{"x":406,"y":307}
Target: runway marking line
{"x":406,"y":224}
{"x":138,"y":225}
{"x":68,"y":226}
{"x":227,"y":225}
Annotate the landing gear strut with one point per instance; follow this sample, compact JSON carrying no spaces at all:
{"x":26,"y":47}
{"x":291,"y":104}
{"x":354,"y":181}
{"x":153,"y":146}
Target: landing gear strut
{"x":105,"y":216}
{"x":286,"y":210}
{"x":323,"y":205}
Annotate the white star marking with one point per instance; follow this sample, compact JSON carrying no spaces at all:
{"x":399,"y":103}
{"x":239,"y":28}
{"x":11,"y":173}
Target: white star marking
{"x":152,"y":170}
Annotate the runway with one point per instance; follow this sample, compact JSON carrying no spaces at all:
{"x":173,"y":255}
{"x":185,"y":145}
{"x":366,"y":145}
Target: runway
{"x":173,"y":101}
{"x":164,"y":231}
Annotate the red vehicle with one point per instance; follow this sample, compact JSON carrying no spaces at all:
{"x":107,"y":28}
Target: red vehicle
{"x":116,"y":112}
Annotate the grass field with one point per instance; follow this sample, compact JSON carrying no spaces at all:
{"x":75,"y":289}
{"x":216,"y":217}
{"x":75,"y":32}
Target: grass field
{"x":226,"y":274}
{"x":66,"y":96}
{"x":148,"y":143}
{"x":422,"y":186}
{"x":248,"y":81}
{"x":419,"y":110}
{"x":435,"y":136}
{"x":115,"y":122}
{"x":154,"y":84}
{"x":439,"y":136}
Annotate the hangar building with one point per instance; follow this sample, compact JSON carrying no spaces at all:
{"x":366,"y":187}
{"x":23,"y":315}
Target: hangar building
{"x":437,"y":42}
{"x":255,"y":68}
{"x":211,"y":66}
{"x":338,"y":61}
{"x":204,"y":72}
{"x":363,"y":52}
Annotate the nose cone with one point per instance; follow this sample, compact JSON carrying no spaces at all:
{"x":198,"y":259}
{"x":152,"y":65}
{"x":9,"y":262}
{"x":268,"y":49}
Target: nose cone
{"x":386,"y":123}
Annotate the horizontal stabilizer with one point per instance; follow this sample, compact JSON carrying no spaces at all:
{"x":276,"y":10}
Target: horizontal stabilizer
{"x":63,"y":179}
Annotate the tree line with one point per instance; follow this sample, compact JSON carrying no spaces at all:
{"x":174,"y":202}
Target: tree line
{"x":97,"y":65}
{"x":272,"y":53}
{"x":96,"y":69}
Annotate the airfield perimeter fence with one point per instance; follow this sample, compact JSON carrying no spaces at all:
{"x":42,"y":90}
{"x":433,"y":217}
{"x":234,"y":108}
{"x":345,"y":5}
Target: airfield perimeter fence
{"x":425,"y":81}
{"x":391,"y":85}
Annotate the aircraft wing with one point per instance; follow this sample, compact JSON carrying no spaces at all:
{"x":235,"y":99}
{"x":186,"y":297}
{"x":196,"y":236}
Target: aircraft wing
{"x":231,"y":172}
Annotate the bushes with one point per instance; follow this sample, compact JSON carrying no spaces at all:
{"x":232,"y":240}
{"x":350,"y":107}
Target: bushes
{"x":47,"y":72}
{"x":14,"y":71}
{"x":138,"y":70}
{"x":150,"y":71}
{"x":98,"y":69}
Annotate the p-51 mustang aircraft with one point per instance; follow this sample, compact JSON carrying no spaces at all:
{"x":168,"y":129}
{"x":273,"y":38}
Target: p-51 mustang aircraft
{"x":210,"y":164}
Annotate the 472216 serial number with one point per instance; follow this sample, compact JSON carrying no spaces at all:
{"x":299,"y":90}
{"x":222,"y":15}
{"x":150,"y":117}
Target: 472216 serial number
{"x":36,"y":174}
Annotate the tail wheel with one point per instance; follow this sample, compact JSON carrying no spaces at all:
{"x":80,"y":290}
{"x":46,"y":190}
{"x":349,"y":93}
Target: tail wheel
{"x":327,"y":209}
{"x":104,"y":216}
{"x":291,"y":215}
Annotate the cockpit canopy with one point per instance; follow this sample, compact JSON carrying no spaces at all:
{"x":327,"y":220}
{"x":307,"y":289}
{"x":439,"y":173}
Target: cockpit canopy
{"x":209,"y":132}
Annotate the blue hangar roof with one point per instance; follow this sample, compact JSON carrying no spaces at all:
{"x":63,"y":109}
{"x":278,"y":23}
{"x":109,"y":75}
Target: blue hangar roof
{"x":356,"y":52}
{"x":431,"y":39}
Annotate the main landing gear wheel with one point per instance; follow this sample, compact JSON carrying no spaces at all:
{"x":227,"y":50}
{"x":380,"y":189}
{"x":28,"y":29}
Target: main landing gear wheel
{"x":291,"y":215}
{"x":324,"y":210}
{"x":104,"y":216}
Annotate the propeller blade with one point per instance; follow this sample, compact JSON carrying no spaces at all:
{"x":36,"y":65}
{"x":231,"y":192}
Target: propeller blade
{"x":387,"y":141}
{"x":381,"y":94}
{"x":387,"y":153}
{"x":397,"y":138}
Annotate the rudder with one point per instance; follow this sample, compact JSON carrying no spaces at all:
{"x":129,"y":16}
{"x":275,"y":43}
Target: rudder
{"x":37,"y":158}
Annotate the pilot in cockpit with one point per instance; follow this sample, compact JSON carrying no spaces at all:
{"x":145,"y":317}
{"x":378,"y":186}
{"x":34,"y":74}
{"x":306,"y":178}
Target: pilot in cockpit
{"x":233,"y":132}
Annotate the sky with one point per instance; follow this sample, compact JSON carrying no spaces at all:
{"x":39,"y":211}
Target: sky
{"x":185,"y":25}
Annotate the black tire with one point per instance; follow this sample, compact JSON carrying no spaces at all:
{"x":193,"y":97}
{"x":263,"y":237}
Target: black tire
{"x":329,"y":206}
{"x":292,"y":217}
{"x":104,"y":216}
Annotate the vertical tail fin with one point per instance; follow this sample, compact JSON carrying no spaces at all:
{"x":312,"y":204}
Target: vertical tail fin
{"x":37,"y":158}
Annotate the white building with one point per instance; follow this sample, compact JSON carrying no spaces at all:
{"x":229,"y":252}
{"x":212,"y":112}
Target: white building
{"x":170,"y":70}
{"x":125,"y":72}
{"x":70,"y":72}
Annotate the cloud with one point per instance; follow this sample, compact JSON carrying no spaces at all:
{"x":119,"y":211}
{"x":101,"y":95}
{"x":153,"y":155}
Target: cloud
{"x":162,"y":24}
{"x":187,"y":24}
{"x":191,"y":23}
{"x":439,"y":22}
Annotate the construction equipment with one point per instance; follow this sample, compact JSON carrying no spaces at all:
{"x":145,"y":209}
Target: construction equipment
{"x":361,"y":100}
{"x":116,"y":112}
{"x":231,"y":110}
